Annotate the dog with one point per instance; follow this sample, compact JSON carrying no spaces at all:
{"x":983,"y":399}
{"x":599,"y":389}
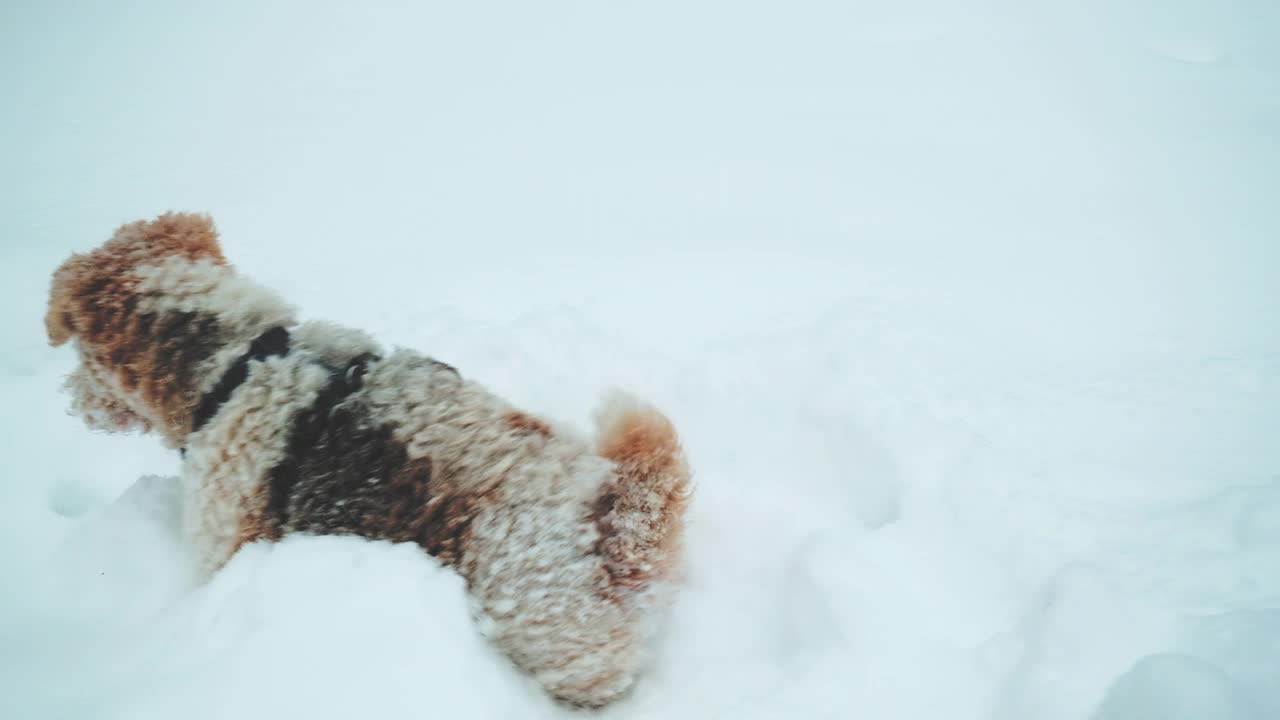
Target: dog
{"x":569,"y":551}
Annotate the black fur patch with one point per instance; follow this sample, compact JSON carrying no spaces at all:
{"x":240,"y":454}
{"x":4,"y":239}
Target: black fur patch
{"x":275,"y":341}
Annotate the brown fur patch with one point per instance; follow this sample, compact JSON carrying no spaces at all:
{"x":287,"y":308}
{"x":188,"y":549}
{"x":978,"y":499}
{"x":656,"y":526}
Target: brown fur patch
{"x":524,"y":422}
{"x":646,"y":442}
{"x":446,"y":527}
{"x":255,"y":523}
{"x":173,"y":347}
{"x":651,"y":487}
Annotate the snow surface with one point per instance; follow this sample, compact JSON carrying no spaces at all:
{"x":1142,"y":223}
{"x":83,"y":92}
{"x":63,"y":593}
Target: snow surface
{"x":966,"y":311}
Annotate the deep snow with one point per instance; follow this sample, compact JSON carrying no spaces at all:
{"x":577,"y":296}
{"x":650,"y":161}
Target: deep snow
{"x":964,"y":310}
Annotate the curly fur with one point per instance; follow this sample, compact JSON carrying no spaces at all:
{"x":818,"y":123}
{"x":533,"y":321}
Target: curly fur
{"x":567,"y":550}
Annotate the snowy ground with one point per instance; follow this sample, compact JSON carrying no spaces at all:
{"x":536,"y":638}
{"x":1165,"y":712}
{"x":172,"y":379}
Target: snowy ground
{"x":965,"y":310}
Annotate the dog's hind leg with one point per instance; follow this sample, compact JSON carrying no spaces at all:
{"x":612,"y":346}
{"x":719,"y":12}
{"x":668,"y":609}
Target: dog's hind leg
{"x":641,"y":511}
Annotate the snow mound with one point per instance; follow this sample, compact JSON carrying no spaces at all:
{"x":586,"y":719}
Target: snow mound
{"x":1174,"y":687}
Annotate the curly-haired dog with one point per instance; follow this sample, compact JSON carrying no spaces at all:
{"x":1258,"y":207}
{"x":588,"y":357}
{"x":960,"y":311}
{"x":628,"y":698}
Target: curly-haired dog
{"x":567,"y":550}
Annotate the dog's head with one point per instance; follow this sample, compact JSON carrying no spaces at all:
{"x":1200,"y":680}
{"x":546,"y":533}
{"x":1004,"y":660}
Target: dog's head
{"x":94,"y":301}
{"x":91,"y":292}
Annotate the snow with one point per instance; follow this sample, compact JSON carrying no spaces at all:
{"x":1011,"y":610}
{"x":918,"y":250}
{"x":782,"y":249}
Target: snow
{"x":965,"y":311}
{"x":1173,"y":686}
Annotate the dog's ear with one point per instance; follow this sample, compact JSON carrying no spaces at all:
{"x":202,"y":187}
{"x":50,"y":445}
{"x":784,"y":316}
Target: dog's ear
{"x":60,"y":316}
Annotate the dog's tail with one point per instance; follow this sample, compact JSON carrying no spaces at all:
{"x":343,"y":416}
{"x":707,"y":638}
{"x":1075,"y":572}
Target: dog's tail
{"x":641,"y":511}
